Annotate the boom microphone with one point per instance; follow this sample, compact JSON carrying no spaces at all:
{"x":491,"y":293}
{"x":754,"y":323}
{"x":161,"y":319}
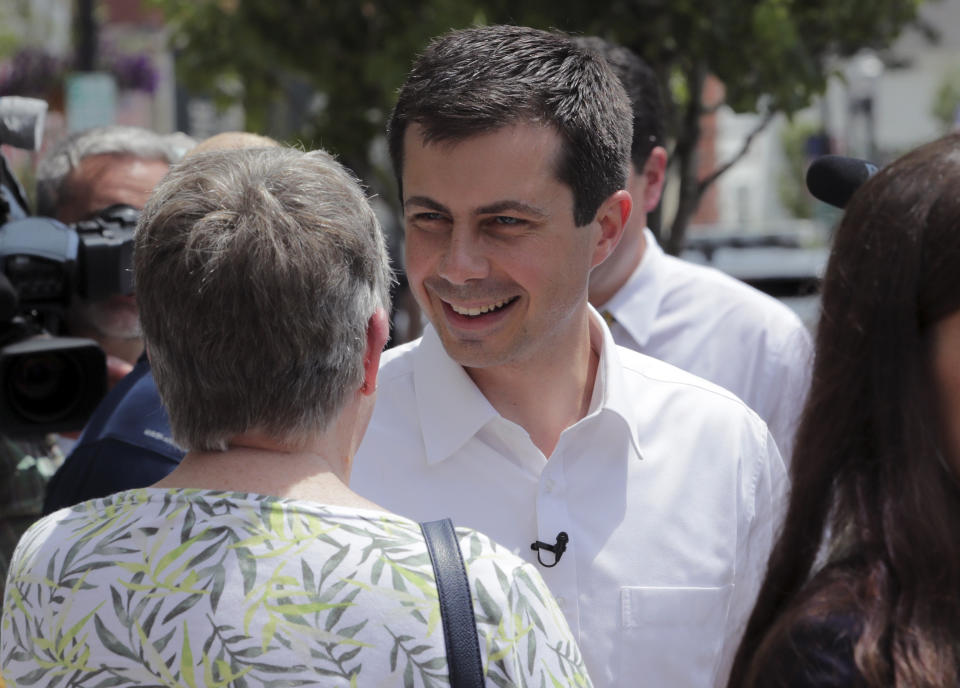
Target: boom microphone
{"x":833,"y":179}
{"x":21,"y":121}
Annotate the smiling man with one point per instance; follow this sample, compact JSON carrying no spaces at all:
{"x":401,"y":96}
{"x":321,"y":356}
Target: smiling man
{"x":648,"y":495}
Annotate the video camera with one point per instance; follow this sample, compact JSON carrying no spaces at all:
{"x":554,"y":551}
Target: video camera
{"x":48,"y":382}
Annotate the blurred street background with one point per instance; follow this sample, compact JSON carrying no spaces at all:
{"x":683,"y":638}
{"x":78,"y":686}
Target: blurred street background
{"x":756,"y":88}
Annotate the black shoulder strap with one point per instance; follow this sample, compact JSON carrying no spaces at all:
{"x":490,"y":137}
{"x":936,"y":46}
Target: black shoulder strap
{"x":456,"y":606}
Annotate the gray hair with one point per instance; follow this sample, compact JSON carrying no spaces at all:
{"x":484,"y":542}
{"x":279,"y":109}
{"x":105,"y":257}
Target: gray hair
{"x":62,"y":159}
{"x":257,"y":271}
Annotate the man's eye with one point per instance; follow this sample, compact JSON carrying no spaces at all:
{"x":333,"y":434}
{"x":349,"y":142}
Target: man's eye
{"x":508,"y":220}
{"x":428,"y":217}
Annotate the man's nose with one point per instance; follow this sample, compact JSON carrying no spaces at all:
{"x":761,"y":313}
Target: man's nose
{"x":464,"y":258}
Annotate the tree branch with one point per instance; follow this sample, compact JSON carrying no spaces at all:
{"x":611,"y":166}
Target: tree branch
{"x":685,"y":150}
{"x":747,"y":142}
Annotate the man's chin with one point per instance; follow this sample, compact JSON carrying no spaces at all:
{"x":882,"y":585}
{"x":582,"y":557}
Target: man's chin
{"x":117,"y":321}
{"x":473,"y":353}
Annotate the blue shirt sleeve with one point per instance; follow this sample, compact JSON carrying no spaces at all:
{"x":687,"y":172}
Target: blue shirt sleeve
{"x":125,"y":445}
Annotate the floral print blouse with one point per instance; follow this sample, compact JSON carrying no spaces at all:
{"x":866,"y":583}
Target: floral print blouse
{"x":200,"y":588}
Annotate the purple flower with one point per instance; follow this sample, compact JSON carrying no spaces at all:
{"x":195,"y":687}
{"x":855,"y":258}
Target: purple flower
{"x":135,"y":73}
{"x":32,"y":72}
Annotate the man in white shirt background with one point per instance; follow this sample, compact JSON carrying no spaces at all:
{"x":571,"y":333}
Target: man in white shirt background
{"x":516,"y":412}
{"x":692,"y":316}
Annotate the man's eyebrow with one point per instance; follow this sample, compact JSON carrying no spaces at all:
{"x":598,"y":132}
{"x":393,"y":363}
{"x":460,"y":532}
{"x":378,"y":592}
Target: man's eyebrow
{"x":425,"y":202}
{"x":516,"y":206}
{"x":491,"y":209}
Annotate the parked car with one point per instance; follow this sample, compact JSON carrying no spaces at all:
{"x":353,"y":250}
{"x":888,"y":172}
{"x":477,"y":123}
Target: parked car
{"x":786,"y":266}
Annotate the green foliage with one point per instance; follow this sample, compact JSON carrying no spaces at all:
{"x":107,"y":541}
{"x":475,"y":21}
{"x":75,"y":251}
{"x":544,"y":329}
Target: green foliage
{"x":16,"y":16}
{"x":792,"y":186}
{"x":946,"y":101}
{"x":8,"y":42}
{"x":354,"y":53}
{"x":771,"y":55}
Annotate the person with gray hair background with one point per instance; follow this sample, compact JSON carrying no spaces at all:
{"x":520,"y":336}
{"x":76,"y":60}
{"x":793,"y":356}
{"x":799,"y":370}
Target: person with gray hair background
{"x":263,"y":284}
{"x":78,"y":178}
{"x":81,"y":176}
{"x":126,"y":442}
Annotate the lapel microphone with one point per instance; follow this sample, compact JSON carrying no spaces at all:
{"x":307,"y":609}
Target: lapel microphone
{"x":558,"y":548}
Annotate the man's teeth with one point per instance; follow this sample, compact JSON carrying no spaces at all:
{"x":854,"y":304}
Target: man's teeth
{"x":481,"y":310}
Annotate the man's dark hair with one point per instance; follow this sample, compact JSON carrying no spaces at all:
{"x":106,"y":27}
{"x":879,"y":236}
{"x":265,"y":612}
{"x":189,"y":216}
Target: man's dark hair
{"x":643,"y":89}
{"x":475,"y":81}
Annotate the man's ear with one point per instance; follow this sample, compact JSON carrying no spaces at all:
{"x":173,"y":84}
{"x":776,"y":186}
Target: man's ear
{"x":654,"y":174}
{"x":612,"y":217}
{"x":378,"y":329}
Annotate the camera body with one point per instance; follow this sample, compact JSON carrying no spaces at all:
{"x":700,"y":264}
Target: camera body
{"x":48,"y":262}
{"x":50,"y":382}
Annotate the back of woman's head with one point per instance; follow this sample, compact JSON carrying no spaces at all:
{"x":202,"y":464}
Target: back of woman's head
{"x":894,"y":271}
{"x":257,"y":271}
{"x":870,"y":465}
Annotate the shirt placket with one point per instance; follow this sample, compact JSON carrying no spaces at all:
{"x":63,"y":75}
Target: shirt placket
{"x":553,"y":518}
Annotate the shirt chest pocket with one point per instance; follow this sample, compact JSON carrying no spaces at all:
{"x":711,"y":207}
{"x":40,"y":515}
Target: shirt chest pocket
{"x":672,"y":636}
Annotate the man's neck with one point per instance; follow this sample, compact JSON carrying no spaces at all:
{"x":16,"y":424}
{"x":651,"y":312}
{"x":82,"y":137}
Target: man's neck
{"x":548,"y":394}
{"x":609,"y":277}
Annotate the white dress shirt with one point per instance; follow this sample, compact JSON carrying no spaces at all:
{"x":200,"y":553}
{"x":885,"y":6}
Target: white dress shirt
{"x":669,"y":489}
{"x":714,"y":326}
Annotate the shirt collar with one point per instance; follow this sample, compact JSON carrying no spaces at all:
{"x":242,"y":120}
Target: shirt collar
{"x":610,"y":390}
{"x":636,"y":303}
{"x":452,"y":409}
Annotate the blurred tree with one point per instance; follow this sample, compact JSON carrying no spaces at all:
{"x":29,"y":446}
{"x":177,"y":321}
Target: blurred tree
{"x":353,"y":54}
{"x":17,"y":18}
{"x":8,"y":34}
{"x":772,"y":55}
{"x":792,"y":187}
{"x":945,"y":107}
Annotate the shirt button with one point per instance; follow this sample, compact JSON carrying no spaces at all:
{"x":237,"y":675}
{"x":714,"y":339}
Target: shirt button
{"x":549,"y":485}
{"x":561,"y":601}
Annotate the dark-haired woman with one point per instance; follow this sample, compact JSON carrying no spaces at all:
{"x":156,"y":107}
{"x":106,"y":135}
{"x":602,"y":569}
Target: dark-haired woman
{"x":863,"y":586}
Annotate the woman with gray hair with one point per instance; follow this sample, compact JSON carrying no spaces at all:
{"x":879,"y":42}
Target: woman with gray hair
{"x":263,"y":285}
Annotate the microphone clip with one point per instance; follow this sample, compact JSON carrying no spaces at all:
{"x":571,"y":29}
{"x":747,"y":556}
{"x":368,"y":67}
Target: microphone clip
{"x":558,"y":548}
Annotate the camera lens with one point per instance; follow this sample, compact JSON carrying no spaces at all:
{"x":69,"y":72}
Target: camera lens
{"x":45,"y":387}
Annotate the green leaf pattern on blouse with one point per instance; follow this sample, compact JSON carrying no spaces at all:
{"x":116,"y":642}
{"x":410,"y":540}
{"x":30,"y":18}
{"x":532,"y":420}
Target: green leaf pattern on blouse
{"x":193,"y":588}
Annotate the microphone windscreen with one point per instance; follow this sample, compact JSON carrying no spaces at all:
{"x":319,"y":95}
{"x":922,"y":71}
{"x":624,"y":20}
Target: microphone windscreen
{"x":833,"y":179}
{"x":21,"y":121}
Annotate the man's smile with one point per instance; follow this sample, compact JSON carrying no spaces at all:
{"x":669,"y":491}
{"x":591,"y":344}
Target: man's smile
{"x":480,"y":310}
